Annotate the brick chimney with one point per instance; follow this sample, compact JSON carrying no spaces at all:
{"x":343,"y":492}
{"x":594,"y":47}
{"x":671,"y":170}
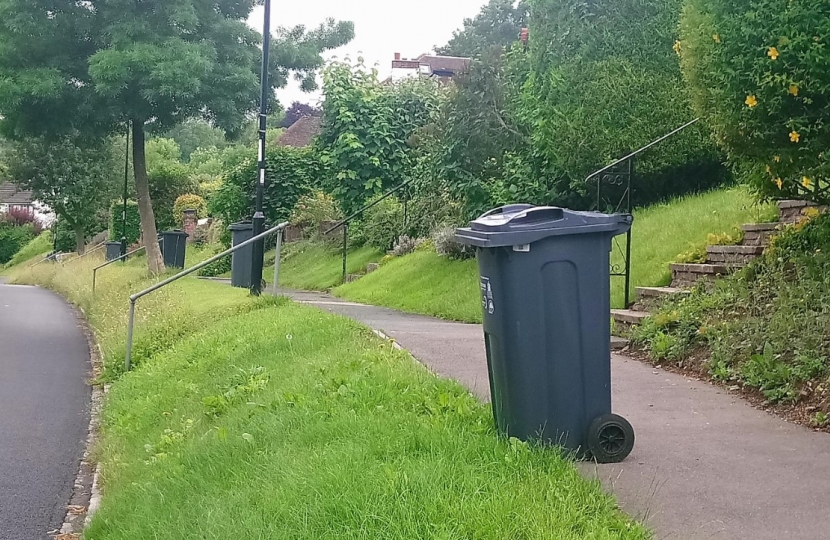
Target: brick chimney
{"x":190,"y":224}
{"x":397,"y":56}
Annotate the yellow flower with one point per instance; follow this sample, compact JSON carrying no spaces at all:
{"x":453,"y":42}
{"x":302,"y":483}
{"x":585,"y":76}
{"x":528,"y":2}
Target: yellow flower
{"x":793,"y":89}
{"x":769,"y":170}
{"x":795,"y":136}
{"x":677,"y":47}
{"x":779,"y":183}
{"x":751,"y":101}
{"x":806,"y":182}
{"x":716,"y":38}
{"x":777,"y":159}
{"x":773,"y":53}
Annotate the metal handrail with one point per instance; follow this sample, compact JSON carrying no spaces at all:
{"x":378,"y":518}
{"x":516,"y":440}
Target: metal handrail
{"x":121,"y":258}
{"x":137,"y":296}
{"x":345,"y":222}
{"x":643,"y":149}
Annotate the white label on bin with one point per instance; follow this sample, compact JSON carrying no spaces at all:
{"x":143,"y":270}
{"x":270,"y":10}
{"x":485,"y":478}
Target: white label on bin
{"x":522,"y":249}
{"x":487,"y":303}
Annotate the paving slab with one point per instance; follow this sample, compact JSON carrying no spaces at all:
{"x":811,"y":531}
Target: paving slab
{"x":706,"y":465}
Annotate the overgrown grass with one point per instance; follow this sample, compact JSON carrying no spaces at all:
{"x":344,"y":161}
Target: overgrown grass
{"x":39,"y":246}
{"x":319,"y":266}
{"x":265,"y":419}
{"x":425,"y":283}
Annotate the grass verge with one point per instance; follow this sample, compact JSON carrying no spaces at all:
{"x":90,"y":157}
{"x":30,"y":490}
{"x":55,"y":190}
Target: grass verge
{"x":318,"y":266}
{"x":267,"y":419}
{"x":425,"y":283}
{"x":41,"y":245}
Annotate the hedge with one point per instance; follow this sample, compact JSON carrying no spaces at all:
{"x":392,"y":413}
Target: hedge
{"x":116,"y":226}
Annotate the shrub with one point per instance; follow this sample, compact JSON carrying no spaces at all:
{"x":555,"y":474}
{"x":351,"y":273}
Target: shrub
{"x":19,"y":217}
{"x":382,"y":224}
{"x":189,"y":201}
{"x":291,"y":173}
{"x":13,"y":238}
{"x":116,"y":225}
{"x":447,"y":246}
{"x":315,"y":208}
{"x":405,"y":245}
{"x":169,"y":181}
{"x":758,"y":76}
{"x":217,"y":268}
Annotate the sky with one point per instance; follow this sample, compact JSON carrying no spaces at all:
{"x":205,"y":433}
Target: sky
{"x":382,"y":28}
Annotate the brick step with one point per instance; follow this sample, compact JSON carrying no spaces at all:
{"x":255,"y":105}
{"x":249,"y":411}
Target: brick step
{"x":733,"y":255}
{"x":687,"y":275}
{"x":651,"y":297}
{"x":791,"y":211}
{"x":618,"y":343}
{"x":759,"y":234}
{"x":628,"y":317}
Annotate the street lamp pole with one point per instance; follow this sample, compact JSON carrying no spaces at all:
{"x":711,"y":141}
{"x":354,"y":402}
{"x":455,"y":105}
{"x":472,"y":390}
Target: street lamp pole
{"x":124,"y":210}
{"x":259,"y":217}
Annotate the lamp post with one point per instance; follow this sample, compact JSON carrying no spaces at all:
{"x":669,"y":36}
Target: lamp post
{"x":124,"y":210}
{"x":259,"y":217}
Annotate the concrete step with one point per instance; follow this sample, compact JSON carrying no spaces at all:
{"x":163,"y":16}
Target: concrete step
{"x":733,"y":255}
{"x":628,"y":317}
{"x":618,"y":343}
{"x":687,"y":275}
{"x":759,"y":234}
{"x":651,"y":297}
{"x":372,"y":267}
{"x":350,"y":278}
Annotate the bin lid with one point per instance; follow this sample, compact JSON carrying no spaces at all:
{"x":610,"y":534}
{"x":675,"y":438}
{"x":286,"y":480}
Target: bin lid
{"x":522,"y":224}
{"x":174,"y":233}
{"x":242,"y":226}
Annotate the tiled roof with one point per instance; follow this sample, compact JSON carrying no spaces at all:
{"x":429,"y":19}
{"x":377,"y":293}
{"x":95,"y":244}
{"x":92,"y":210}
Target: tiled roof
{"x":453,"y":64}
{"x":302,"y":133}
{"x":11,"y":194}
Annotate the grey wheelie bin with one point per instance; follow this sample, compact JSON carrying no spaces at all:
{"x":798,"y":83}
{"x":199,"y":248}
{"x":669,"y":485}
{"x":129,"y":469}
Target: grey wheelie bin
{"x":545,"y":292}
{"x":113,"y":250}
{"x":174,"y":248}
{"x":243,"y":258}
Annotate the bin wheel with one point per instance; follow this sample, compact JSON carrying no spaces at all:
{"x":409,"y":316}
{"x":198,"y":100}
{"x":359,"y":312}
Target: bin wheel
{"x":610,"y":438}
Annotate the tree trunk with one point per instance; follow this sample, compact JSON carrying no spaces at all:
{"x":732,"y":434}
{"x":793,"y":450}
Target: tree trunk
{"x":155,"y":263}
{"x":80,"y":239}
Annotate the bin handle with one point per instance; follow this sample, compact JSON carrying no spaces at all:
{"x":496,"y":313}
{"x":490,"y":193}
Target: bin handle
{"x":507,"y":209}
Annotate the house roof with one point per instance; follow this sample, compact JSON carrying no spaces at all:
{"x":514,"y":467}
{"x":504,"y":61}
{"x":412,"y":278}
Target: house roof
{"x":11,"y":194}
{"x":302,"y":133}
{"x":451,"y":64}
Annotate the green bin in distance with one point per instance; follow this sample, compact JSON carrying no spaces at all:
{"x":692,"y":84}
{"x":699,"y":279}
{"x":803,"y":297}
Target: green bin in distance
{"x":174,"y":248}
{"x":545,"y":291}
{"x":243,"y":259}
{"x":113,"y":250}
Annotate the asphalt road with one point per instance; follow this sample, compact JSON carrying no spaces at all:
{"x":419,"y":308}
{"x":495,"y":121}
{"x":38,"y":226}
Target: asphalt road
{"x":44,"y":410}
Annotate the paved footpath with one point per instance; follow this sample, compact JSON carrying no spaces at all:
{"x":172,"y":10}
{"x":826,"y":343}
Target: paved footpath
{"x":44,"y":400}
{"x":706,"y":465}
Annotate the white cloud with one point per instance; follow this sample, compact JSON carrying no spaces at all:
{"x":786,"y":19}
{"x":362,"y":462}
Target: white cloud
{"x":382,"y":28}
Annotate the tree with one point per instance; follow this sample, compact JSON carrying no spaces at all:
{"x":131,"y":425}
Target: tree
{"x":497,"y":25}
{"x":194,"y":134}
{"x":96,"y":65}
{"x":74,"y":175}
{"x":759,"y":75}
{"x":296,"y":111}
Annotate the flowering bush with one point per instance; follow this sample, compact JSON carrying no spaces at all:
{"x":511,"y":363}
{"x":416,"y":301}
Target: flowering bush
{"x":189,"y":201}
{"x":759,"y":73}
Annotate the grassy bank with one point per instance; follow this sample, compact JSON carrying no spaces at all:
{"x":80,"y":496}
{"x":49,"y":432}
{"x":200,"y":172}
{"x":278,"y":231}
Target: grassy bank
{"x":318,"y":266}
{"x":425,"y":283}
{"x":39,"y":246}
{"x":265,"y":419}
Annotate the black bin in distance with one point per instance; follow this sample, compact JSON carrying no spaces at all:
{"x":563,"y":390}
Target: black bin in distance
{"x":113,"y":250}
{"x":242,"y":259}
{"x":545,"y":291}
{"x":174,"y":248}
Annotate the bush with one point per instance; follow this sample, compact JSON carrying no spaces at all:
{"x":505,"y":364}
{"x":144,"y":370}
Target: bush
{"x":447,"y":246}
{"x":758,"y":74}
{"x":291,"y":173}
{"x":169,"y":181}
{"x":315,"y":208}
{"x":382,"y":225}
{"x":217,"y":268}
{"x":19,"y":217}
{"x":405,"y":245}
{"x":116,"y":225}
{"x":13,"y":238}
{"x":189,"y":201}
